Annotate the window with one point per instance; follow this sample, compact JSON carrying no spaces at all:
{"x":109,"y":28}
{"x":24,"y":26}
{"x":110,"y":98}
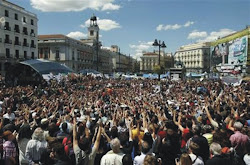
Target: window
{"x":17,"y":54}
{"x":31,"y":22}
{"x":32,"y":32}
{"x":25,"y":54}
{"x":57,"y":54}
{"x":25,"y":42}
{"x":6,"y":13}
{"x":16,"y":16}
{"x":91,"y":32}
{"x":24,"y":19}
{"x":32,"y":55}
{"x":17,"y":29}
{"x":7,"y":26}
{"x":17,"y":41}
{"x":25,"y":31}
{"x":7,"y":53}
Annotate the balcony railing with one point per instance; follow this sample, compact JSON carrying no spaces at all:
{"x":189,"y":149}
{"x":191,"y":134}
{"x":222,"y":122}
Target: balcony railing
{"x":26,"y":44}
{"x":32,"y":34}
{"x":25,"y":32}
{"x":17,"y":30}
{"x":33,"y":46}
{"x":7,"y":28}
{"x":7,"y":41}
{"x":17,"y":43}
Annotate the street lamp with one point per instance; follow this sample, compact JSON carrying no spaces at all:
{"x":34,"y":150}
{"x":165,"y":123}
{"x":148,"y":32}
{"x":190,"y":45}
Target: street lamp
{"x":160,"y":45}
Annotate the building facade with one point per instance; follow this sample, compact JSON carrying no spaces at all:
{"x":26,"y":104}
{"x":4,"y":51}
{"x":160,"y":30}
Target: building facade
{"x":230,"y":55}
{"x":194,"y":57}
{"x":151,"y":59}
{"x":18,"y":35}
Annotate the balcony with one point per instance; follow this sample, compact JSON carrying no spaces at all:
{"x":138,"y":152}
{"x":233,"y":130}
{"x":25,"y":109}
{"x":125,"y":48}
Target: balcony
{"x":7,"y":41}
{"x":7,"y":28}
{"x":17,"y":30}
{"x":25,"y":32}
{"x":26,"y":44}
{"x":32,"y":34}
{"x":18,"y":43}
{"x":33,"y":46}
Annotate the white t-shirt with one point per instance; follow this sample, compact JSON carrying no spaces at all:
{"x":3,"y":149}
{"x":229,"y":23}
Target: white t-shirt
{"x":197,"y":160}
{"x":247,"y":159}
{"x":11,"y":116}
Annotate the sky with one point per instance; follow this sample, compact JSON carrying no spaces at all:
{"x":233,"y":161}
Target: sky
{"x":133,"y":25}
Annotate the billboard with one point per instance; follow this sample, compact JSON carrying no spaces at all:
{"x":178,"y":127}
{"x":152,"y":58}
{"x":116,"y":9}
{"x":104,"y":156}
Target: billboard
{"x":231,"y":53}
{"x":238,"y":51}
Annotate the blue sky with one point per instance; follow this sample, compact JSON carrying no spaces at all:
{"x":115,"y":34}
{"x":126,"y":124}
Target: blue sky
{"x":134,"y":24}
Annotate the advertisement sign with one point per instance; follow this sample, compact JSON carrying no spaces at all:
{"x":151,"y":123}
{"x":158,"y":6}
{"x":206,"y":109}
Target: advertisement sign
{"x":238,"y":51}
{"x":231,"y":53}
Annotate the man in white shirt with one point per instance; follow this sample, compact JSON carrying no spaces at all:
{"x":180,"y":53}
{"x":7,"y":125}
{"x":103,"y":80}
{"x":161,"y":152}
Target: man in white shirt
{"x":145,"y":148}
{"x":113,"y":157}
{"x":9,"y":115}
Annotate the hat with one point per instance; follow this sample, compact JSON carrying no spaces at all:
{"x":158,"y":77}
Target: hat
{"x":43,"y":121}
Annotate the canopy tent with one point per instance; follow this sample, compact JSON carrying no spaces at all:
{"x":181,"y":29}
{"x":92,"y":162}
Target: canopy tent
{"x":47,"y":67}
{"x":32,"y":71}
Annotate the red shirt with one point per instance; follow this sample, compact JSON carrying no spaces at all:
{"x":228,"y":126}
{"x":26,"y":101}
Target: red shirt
{"x":185,"y":137}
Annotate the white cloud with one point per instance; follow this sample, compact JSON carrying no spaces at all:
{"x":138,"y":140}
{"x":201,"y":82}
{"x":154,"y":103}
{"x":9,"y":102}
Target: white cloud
{"x":110,"y":6}
{"x":73,"y":5}
{"x":140,"y":47}
{"x":77,"y":35}
{"x":104,"y":24}
{"x":188,"y":23}
{"x":160,"y":27}
{"x":216,"y":34}
{"x":173,"y":27}
{"x":196,"y":34}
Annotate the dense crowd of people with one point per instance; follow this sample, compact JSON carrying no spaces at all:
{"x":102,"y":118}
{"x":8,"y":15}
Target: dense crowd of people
{"x":91,"y":121}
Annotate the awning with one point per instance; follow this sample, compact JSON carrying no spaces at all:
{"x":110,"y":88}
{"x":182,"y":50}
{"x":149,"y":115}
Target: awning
{"x":47,"y":67}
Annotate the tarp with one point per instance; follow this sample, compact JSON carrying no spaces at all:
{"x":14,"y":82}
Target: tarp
{"x":47,"y":67}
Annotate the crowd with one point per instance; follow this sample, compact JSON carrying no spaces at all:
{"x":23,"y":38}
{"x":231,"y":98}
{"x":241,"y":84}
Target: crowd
{"x":89,"y":121}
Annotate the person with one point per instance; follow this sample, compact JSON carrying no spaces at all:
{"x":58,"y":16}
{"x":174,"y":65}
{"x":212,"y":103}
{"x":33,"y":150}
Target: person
{"x":145,"y":148}
{"x":150,"y":159}
{"x":246,"y":157}
{"x":184,"y":160}
{"x":59,"y":155}
{"x":24,"y":135}
{"x":63,"y":132}
{"x":193,"y":153}
{"x":9,"y":148}
{"x":82,"y":149}
{"x":36,"y":146}
{"x":217,"y":157}
{"x":238,"y":140}
{"x":114,"y":156}
{"x":127,"y":159}
{"x":201,"y":141}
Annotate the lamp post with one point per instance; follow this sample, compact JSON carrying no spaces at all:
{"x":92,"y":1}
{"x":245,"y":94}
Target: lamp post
{"x":160,"y":45}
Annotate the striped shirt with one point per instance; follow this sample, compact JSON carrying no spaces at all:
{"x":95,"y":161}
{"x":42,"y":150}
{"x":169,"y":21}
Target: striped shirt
{"x":34,"y":150}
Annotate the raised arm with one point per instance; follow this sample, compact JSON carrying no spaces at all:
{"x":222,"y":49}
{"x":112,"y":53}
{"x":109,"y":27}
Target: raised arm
{"x":98,"y":138}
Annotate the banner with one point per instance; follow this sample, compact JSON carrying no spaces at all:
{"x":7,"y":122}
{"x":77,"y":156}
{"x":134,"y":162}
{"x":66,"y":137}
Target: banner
{"x":231,"y":53}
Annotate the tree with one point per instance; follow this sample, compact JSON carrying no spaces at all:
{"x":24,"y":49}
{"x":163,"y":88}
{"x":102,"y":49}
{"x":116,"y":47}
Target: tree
{"x":158,"y":70}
